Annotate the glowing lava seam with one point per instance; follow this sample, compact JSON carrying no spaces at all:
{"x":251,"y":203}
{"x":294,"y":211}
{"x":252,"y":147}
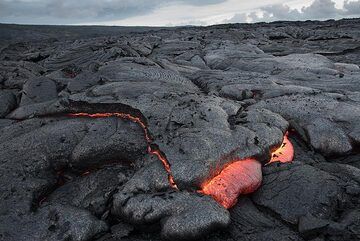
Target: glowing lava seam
{"x":243,"y":176}
{"x":138,"y":121}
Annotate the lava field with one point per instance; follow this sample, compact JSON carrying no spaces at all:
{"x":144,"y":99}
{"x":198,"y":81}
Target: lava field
{"x":226,"y":132}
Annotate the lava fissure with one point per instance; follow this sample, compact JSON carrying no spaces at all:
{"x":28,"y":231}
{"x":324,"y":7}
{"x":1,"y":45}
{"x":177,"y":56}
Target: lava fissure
{"x":152,"y":148}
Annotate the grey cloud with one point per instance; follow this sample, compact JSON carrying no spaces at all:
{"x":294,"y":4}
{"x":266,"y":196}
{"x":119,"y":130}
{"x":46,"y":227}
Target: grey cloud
{"x":238,"y":18}
{"x":70,"y":11}
{"x":352,"y":8}
{"x":319,"y":9}
{"x":279,"y":11}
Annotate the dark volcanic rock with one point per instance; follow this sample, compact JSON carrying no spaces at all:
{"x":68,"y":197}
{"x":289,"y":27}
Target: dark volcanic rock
{"x":83,"y":81}
{"x":328,"y":120}
{"x":36,"y":152}
{"x":67,"y":222}
{"x":299,"y":190}
{"x":249,"y":223}
{"x":38,"y":90}
{"x":198,"y":98}
{"x":326,"y":141}
{"x":7,"y":103}
{"x":92,"y":191}
{"x":309,"y":225}
{"x":54,"y":222}
{"x":182,"y":215}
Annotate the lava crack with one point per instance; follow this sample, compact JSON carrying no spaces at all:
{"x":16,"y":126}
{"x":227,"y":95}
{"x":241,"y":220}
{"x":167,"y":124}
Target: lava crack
{"x":152,"y":149}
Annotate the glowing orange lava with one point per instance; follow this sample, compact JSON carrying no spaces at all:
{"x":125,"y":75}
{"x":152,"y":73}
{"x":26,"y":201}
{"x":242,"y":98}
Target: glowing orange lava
{"x":240,"y":177}
{"x":138,"y":121}
{"x":285,"y":153}
{"x":243,"y":176}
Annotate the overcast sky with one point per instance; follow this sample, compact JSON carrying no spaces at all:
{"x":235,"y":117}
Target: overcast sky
{"x":171,"y":12}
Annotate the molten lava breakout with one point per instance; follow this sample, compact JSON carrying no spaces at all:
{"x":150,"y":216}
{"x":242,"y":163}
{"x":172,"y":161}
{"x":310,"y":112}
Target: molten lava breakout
{"x":240,"y":177}
{"x":285,"y":153}
{"x":243,"y":176}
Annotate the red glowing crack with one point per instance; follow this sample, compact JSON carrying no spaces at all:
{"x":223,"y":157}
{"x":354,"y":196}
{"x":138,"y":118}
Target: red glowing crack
{"x":150,"y":149}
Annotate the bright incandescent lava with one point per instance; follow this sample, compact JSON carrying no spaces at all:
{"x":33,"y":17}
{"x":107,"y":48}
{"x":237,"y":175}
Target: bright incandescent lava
{"x":285,"y":153}
{"x":151,"y":150}
{"x":243,"y":176}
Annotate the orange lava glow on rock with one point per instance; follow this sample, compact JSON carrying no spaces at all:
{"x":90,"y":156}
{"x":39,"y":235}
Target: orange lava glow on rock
{"x":151,"y":150}
{"x":243,"y":176}
{"x":285,"y":153}
{"x":240,"y":177}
